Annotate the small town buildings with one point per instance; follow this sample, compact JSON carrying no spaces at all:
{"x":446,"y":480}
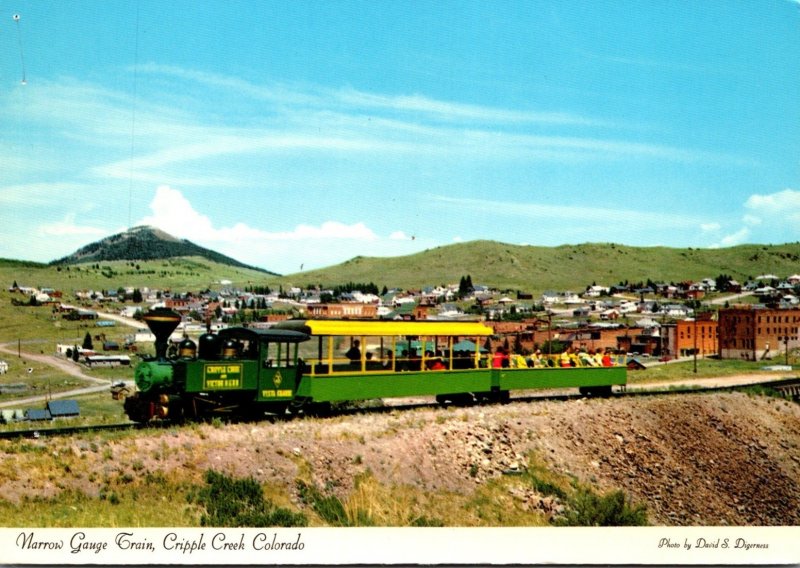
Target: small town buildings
{"x":755,"y":332}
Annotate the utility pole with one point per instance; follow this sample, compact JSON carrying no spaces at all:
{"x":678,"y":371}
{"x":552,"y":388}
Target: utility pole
{"x":695,"y":341}
{"x":786,"y":344}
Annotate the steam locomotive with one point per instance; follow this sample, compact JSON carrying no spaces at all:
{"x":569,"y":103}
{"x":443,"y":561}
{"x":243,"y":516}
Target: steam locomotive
{"x":238,"y":370}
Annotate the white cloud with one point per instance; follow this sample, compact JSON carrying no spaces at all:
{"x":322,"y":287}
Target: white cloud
{"x":458,"y":239}
{"x":736,"y":238}
{"x":312,"y":246}
{"x":783,"y":205}
{"x":68,"y":228}
{"x":751,"y":220}
{"x":710,"y":227}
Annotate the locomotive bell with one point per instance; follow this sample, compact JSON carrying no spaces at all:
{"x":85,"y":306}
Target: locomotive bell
{"x":162,"y":322}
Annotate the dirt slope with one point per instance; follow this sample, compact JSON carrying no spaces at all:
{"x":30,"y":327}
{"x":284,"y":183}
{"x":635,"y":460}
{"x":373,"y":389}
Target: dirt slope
{"x":697,"y":459}
{"x":693,"y":459}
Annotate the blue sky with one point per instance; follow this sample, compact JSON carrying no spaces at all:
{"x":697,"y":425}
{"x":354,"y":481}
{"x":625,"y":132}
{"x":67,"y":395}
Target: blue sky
{"x":301,"y":134}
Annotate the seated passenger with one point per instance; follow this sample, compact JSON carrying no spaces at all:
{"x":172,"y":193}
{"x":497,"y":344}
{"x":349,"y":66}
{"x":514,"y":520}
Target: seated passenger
{"x":535,"y":360}
{"x":587,"y":359}
{"x":568,"y":358}
{"x":354,"y":353}
{"x":498,"y":358}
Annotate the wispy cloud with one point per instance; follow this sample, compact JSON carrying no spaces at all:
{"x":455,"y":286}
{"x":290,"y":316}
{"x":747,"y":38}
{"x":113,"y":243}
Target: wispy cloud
{"x":355,"y":99}
{"x":737,"y":238}
{"x":156,"y":138}
{"x":67,"y":227}
{"x":595,"y":216}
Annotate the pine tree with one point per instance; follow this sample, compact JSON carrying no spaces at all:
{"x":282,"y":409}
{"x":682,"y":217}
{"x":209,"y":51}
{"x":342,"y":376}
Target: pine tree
{"x":87,"y":341}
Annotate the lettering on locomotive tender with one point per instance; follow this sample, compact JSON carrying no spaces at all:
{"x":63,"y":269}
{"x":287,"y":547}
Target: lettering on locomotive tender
{"x":221,"y":376}
{"x":279,"y":393}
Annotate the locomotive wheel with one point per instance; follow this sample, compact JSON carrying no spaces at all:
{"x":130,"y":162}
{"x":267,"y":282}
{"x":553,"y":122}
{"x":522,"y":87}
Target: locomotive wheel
{"x":501,"y":396}
{"x":601,"y":391}
{"x":298,"y":406}
{"x":456,"y":399}
{"x":138,"y":410}
{"x":319,"y":409}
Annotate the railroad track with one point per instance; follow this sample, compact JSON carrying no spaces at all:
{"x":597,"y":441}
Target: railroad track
{"x":787,"y":387}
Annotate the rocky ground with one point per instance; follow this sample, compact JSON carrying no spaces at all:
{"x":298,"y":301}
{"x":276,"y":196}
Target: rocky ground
{"x":693,"y":459}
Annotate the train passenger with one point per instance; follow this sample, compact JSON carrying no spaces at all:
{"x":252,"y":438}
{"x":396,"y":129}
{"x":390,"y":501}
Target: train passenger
{"x":414,"y":361}
{"x":500,"y":359}
{"x":354,"y":353}
{"x":568,"y":358}
{"x":518,"y":361}
{"x":586,"y":359}
{"x":534,"y":359}
{"x":607,"y":362}
{"x":436,"y":365}
{"x":497,"y":359}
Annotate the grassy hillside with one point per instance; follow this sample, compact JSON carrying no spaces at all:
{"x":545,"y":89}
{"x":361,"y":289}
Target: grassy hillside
{"x":499,"y":265}
{"x":187,"y":273}
{"x":537,"y":269}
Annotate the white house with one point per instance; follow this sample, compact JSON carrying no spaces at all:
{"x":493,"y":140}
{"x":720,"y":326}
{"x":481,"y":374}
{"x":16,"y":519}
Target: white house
{"x":550,"y":297}
{"x":596,"y":291}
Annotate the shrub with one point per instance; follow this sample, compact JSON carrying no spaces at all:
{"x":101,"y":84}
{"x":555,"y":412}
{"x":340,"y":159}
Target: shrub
{"x":329,"y":507}
{"x":423,"y":521}
{"x":587,"y":509}
{"x":240,"y":503}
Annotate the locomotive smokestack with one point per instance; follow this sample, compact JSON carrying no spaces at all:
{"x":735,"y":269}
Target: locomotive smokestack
{"x":162,"y":322}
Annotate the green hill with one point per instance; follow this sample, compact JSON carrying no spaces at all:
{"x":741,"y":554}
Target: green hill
{"x":185,"y":273}
{"x":146,"y":243}
{"x":504,"y":266}
{"x":535,"y":269}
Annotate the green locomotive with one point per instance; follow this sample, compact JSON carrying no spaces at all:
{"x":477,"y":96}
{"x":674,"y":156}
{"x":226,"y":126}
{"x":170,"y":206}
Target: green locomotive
{"x":247,"y":372}
{"x":236,"y":371}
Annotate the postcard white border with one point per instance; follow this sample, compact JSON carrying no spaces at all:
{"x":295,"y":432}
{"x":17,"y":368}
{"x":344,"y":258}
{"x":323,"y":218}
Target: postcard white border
{"x":402,"y":546}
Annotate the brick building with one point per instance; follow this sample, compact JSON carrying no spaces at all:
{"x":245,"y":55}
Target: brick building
{"x":750,"y":332}
{"x":684,"y":336}
{"x":535,"y":333}
{"x":343,"y":310}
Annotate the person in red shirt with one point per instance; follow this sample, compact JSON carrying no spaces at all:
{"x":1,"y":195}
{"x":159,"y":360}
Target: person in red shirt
{"x":500,"y":359}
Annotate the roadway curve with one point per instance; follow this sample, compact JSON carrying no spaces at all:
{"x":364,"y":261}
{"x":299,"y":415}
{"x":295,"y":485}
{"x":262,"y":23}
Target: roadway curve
{"x":66,"y":366}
